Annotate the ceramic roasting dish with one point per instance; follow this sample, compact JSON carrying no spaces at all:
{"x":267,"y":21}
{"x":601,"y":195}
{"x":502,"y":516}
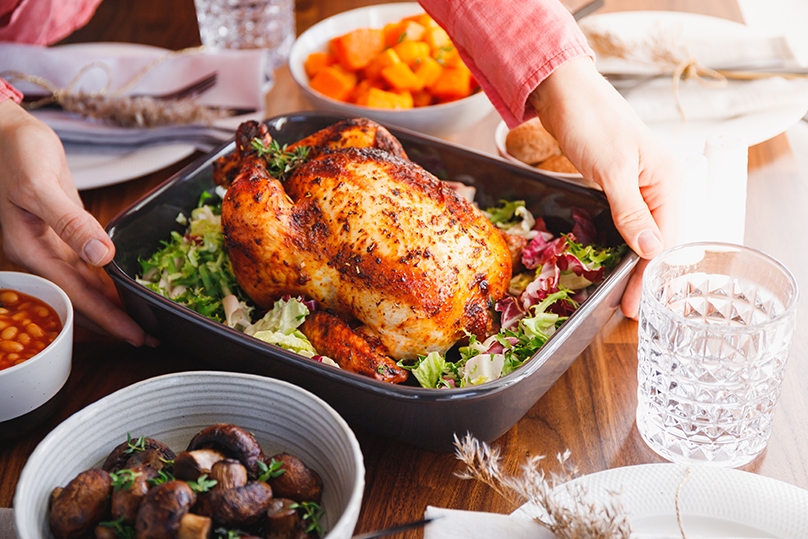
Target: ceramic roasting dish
{"x":425,"y":418}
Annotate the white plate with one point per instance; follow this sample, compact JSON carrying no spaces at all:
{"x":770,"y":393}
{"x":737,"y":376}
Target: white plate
{"x":633,"y":26}
{"x":714,"y":502}
{"x":91,"y":171}
{"x":501,"y":132}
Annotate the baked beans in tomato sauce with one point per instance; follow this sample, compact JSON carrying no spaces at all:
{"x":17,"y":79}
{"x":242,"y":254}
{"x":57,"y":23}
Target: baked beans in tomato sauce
{"x":27,"y":326}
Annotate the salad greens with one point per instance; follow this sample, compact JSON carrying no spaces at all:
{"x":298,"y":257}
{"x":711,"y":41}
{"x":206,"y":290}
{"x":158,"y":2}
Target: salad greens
{"x":556,"y":279}
{"x":556,"y":274}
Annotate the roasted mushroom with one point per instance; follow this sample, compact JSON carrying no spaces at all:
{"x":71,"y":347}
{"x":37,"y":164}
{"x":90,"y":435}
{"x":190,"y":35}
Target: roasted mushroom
{"x":119,"y":457}
{"x":161,"y":514}
{"x":234,"y":442}
{"x":131,"y":487}
{"x":283,"y":521}
{"x":105,"y":532}
{"x":297,"y":482}
{"x":236,"y":507}
{"x":189,"y":465}
{"x":81,"y":505}
{"x":228,"y":473}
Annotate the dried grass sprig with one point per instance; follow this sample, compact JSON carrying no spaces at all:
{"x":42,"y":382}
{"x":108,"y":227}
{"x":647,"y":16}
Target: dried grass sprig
{"x":141,"y":111}
{"x":570,"y":512}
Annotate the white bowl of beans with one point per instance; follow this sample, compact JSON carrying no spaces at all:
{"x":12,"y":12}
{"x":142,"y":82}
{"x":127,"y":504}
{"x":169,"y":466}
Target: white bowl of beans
{"x":36,"y":347}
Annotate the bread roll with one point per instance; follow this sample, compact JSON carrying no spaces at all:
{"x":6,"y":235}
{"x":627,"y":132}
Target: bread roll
{"x":531,"y":143}
{"x":558,"y":163}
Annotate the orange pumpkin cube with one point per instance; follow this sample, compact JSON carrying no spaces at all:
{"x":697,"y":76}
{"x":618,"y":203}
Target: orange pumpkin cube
{"x":316,"y":61}
{"x":384,"y":59}
{"x":448,"y":56}
{"x":334,"y":82}
{"x":357,"y":48}
{"x":405,"y":30}
{"x":411,"y":52}
{"x":424,"y":19}
{"x":428,"y":70}
{"x":382,"y":99}
{"x":453,"y":83}
{"x":400,"y":77}
{"x":421,"y":99}
{"x":437,"y":38}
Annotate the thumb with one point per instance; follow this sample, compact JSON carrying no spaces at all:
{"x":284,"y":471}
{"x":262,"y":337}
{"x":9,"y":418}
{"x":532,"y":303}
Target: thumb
{"x":633,"y":217}
{"x":76,"y":227}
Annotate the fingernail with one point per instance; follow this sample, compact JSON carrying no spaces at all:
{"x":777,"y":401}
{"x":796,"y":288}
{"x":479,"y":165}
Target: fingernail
{"x":94,"y":252}
{"x":650,"y":244}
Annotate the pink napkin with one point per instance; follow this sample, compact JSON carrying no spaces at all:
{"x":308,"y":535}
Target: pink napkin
{"x":7,"y":523}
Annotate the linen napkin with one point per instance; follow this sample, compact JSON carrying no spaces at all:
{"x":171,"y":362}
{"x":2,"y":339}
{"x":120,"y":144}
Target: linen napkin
{"x":658,"y":41}
{"x":240,"y":84}
{"x":457,"y":524}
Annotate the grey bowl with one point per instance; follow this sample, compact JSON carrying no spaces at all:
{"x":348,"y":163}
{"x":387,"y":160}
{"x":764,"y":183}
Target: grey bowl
{"x":172,"y":409}
{"x":421,"y":417}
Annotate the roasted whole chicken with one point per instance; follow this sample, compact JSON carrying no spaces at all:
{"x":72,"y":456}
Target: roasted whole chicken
{"x":398,"y":263}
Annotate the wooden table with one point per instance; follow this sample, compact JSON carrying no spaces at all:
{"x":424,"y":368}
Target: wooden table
{"x":589,"y":411}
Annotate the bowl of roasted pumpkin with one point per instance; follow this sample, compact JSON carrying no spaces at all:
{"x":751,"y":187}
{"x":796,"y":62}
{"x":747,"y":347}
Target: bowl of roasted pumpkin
{"x":197,"y":455}
{"x":392,"y":63}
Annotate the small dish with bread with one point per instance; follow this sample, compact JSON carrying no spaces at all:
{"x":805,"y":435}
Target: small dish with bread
{"x":530,"y":145}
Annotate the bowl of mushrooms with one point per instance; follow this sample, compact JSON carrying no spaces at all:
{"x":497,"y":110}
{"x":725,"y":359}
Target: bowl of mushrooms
{"x":195,"y":455}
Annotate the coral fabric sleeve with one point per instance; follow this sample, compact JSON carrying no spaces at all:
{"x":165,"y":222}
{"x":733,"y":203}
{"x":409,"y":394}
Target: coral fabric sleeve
{"x":43,"y":22}
{"x":510,"y":45}
{"x":7,"y":91}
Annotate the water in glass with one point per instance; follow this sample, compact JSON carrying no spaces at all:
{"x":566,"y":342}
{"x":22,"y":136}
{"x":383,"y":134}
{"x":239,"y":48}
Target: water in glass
{"x":711,"y":360}
{"x":249,"y":24}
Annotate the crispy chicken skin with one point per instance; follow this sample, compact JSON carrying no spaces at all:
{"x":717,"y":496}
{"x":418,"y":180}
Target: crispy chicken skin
{"x":352,"y":133}
{"x":373,"y":238}
{"x":333,"y":337}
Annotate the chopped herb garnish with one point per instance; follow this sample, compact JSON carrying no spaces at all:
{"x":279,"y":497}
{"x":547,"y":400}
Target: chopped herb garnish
{"x":311,"y":513}
{"x":123,"y":479}
{"x":280,"y":161}
{"x":122,"y":531}
{"x":202,"y":484}
{"x":162,"y":477}
{"x":134,"y":446}
{"x":274,"y":469}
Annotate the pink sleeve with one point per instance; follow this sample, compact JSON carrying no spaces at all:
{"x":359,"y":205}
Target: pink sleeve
{"x":7,"y":91}
{"x":510,"y":46}
{"x":43,"y":22}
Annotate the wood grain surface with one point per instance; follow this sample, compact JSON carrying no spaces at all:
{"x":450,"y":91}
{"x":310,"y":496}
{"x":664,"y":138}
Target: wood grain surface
{"x":589,"y":411}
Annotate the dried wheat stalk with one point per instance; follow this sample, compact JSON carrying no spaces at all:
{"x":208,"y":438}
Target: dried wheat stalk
{"x":570,"y":512}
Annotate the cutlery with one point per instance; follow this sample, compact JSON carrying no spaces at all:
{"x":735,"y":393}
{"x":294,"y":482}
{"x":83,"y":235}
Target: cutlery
{"x":192,"y":89}
{"x":395,"y":529}
{"x":628,"y":81}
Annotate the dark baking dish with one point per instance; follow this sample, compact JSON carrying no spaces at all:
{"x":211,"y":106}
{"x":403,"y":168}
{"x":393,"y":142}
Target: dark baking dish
{"x":425,"y":418}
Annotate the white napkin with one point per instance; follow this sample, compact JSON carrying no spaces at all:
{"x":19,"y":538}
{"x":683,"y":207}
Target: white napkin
{"x":655,"y":101}
{"x":240,"y":84}
{"x":713,"y":43}
{"x":457,"y":524}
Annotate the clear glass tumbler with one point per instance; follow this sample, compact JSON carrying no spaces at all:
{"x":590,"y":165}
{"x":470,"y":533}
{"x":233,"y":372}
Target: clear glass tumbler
{"x":715,"y":327}
{"x":249,"y":24}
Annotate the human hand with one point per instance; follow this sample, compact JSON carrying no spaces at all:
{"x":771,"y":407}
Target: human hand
{"x":608,"y":143}
{"x":45,"y":227}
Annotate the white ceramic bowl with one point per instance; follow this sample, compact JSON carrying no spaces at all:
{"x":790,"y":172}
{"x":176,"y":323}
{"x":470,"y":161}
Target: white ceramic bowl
{"x":30,"y":391}
{"x":501,"y":132}
{"x":436,"y":120}
{"x":172,"y":409}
